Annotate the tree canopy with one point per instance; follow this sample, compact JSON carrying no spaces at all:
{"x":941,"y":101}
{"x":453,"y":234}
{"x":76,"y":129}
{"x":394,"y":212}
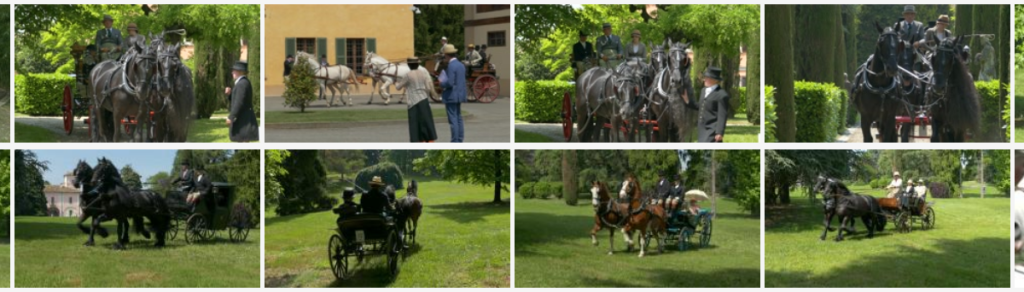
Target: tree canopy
{"x":478,"y":167}
{"x":29,"y":184}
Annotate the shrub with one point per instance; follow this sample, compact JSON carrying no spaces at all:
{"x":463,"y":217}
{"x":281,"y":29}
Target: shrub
{"x":387,"y":171}
{"x":526,"y":190}
{"x":40,"y":94}
{"x":556,"y":189}
{"x":938,"y":190}
{"x":1018,"y":106}
{"x":541,"y":101}
{"x":769,"y":114}
{"x":991,"y":112}
{"x":841,"y":104}
{"x":542,"y":190}
{"x":816,"y":107}
{"x":738,"y":102}
{"x":301,"y":87}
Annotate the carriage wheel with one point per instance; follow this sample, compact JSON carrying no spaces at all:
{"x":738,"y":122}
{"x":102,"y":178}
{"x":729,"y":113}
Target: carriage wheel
{"x":68,"y":107}
{"x":928,"y":222}
{"x":705,"y":231}
{"x":567,"y":117}
{"x":338,"y":256}
{"x":902,"y":222}
{"x":173,"y":232}
{"x":238,"y":230}
{"x":486,"y":88}
{"x":393,"y":248}
{"x":682,"y":240}
{"x":195,"y":228}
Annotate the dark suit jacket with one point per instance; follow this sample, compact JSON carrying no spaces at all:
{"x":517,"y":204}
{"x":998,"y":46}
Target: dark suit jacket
{"x":374,"y":201}
{"x":203,"y":184}
{"x":663,"y":187}
{"x":713,"y":112}
{"x":102,"y":37}
{"x":185,"y":179}
{"x":243,"y":119}
{"x":580,"y":52}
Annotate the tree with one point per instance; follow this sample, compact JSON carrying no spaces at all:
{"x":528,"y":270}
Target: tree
{"x":301,"y":87}
{"x":744,"y":170}
{"x":160,"y":182}
{"x":243,"y":171}
{"x":537,"y":22}
{"x":479,"y":167}
{"x":434,"y":22}
{"x":839,"y":75}
{"x":5,"y":191}
{"x":303,"y":187}
{"x":779,"y":68}
{"x":569,"y":182}
{"x":274,"y":171}
{"x":213,"y":161}
{"x":754,"y":79}
{"x":815,"y":32}
{"x":132,"y":180}
{"x":343,"y":161}
{"x":29,"y":199}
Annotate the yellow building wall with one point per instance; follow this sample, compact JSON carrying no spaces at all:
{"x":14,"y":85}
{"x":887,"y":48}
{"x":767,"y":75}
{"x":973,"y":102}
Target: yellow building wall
{"x":391,"y":25}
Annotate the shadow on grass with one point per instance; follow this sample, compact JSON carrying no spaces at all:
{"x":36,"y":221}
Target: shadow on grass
{"x":541,"y":228}
{"x":914,"y":267}
{"x":469,"y":212}
{"x":665,"y":278}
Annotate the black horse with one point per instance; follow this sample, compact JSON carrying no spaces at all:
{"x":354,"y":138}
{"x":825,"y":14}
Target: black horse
{"x":874,"y":88}
{"x":849,"y":205}
{"x":119,"y":203}
{"x":83,"y":180}
{"x":957,"y":110}
{"x":828,"y":203}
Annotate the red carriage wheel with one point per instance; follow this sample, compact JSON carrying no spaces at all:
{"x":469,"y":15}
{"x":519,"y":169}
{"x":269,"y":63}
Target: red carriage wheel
{"x":567,"y":117}
{"x":69,"y":110}
{"x":486,"y":88}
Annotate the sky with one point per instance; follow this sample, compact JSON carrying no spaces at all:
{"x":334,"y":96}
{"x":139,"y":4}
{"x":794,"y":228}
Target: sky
{"x":145,"y":162}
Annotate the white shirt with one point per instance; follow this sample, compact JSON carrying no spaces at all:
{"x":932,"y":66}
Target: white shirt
{"x":896,"y":183}
{"x":707,"y":91}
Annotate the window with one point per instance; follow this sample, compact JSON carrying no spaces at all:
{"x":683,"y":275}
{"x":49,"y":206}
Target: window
{"x":355,"y":54}
{"x":307,"y":45}
{"x":496,"y":38}
{"x":71,"y":200}
{"x":489,"y":8}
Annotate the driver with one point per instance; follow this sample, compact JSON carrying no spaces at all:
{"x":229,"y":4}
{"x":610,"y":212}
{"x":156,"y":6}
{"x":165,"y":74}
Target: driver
{"x":348,"y":207}
{"x":911,"y":31}
{"x":610,"y":48}
{"x":472,"y":57}
{"x":375,"y":201}
{"x":185,"y":180}
{"x":895,"y":185}
{"x":109,"y":40}
{"x":203,"y":191}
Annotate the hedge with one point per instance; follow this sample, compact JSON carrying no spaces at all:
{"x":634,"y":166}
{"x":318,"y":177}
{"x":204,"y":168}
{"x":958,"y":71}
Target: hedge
{"x":738,"y":103}
{"x":842,"y":106}
{"x":541,"y":101}
{"x":817,"y":105}
{"x":526,"y":190}
{"x":387,"y":171}
{"x":769,"y":114}
{"x":40,"y":94}
{"x":991,"y":112}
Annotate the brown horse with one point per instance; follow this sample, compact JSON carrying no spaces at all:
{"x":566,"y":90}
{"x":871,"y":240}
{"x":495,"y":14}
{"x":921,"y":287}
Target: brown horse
{"x":411,"y":208}
{"x":648,"y":219}
{"x":608,"y":214}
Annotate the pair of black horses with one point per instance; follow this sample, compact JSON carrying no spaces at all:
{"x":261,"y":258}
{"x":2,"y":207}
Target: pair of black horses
{"x":104,"y":197}
{"x":838,"y":200}
{"x":887,"y":85}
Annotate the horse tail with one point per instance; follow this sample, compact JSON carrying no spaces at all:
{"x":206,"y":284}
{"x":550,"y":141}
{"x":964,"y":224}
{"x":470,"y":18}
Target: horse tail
{"x":352,"y":77}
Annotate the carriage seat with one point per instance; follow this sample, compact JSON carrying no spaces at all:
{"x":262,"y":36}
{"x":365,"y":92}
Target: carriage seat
{"x":373,"y":225}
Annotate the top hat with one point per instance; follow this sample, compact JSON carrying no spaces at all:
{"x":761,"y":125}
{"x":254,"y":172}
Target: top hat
{"x":713,"y":73}
{"x":240,"y":66}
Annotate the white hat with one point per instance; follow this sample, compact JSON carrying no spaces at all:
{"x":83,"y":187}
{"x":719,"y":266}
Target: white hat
{"x":444,"y":38}
{"x":895,"y":173}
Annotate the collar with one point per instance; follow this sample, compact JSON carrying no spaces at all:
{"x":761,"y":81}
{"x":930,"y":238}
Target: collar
{"x":239,"y":78}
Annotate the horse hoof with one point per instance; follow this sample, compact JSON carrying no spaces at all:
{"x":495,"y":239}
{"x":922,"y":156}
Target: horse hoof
{"x":609,"y":253}
{"x":641,"y":255}
{"x":88,"y":243}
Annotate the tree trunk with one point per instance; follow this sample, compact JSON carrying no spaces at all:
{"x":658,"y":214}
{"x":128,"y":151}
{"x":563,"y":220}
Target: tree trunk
{"x":754,"y":79}
{"x":839,"y":75}
{"x":569,"y":181}
{"x":784,"y":193}
{"x":497,"y":176}
{"x":814,"y":27}
{"x":714,"y":196}
{"x":1003,"y":60}
{"x":779,"y":68}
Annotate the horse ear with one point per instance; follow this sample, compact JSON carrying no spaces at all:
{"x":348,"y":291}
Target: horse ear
{"x":878,"y":27}
{"x":898,"y":26}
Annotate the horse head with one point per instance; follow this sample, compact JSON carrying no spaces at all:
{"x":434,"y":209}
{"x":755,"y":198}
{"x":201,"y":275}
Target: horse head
{"x":945,"y":59}
{"x":598,"y":193}
{"x":412,"y":189}
{"x":81,"y":174}
{"x":679,"y":62}
{"x":888,"y":48}
{"x":630,"y":188}
{"x":168,"y":63}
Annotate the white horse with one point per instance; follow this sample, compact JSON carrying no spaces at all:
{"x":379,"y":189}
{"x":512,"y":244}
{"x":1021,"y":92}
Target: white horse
{"x":336,"y":78}
{"x":388,"y":73}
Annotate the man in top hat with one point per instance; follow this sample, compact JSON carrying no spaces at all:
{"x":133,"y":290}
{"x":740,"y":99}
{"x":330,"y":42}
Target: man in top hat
{"x":241,"y":117}
{"x":108,"y":39}
{"x":288,"y":62}
{"x":203,"y":191}
{"x":418,"y":89}
{"x":348,"y":205}
{"x":472,"y":57}
{"x":675,"y":194}
{"x":911,"y":30}
{"x":440,"y":52}
{"x":375,"y":201}
{"x":895,"y":185}
{"x":663,"y":187}
{"x":453,"y":80}
{"x":610,"y":48}
{"x":936,"y":34}
{"x":714,"y":107}
{"x":582,"y":51}
{"x":185,"y":180}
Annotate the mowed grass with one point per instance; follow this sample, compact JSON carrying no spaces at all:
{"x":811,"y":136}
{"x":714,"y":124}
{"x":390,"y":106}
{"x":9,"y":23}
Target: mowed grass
{"x":398,"y":113}
{"x":50,"y":254}
{"x":553,"y":249}
{"x":463,"y":240}
{"x":969,"y":247}
{"x":201,"y":131}
{"x":29,"y":133}
{"x":5,"y":265}
{"x":738,"y":130}
{"x":531,"y":137}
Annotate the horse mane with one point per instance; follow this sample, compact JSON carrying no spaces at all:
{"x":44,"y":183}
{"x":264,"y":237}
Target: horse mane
{"x":962,"y":107}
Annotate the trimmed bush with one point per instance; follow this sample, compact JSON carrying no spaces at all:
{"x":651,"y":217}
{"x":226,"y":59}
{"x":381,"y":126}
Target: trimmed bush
{"x":816,"y":107}
{"x":40,"y":94}
{"x":938,"y":190}
{"x":841,"y":105}
{"x":541,"y":101}
{"x":991,"y":112}
{"x":387,"y":171}
{"x":738,"y":102}
{"x":556,"y":189}
{"x":542,"y":190}
{"x":769,"y":114}
{"x":526,"y":190}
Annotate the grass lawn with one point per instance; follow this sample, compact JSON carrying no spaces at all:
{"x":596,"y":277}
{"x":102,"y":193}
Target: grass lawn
{"x":50,"y":254}
{"x":328,"y":116}
{"x":530,"y":137}
{"x":1018,"y":78}
{"x":463,"y":241}
{"x":738,"y":130}
{"x":28,"y":133}
{"x":5,"y":265}
{"x":969,"y":247}
{"x":553,"y":249}
{"x":210,"y":130}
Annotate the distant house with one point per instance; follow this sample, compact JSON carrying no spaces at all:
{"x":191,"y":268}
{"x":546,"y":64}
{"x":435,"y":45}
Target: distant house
{"x":492,"y":25}
{"x":62,"y":200}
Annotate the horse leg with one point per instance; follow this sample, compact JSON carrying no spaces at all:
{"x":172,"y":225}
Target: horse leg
{"x":865,"y":127}
{"x":386,"y":91}
{"x":140,"y":227}
{"x":642,"y":236}
{"x":870,"y":223}
{"x":120,"y":245}
{"x":843,"y":221}
{"x":593,"y":232}
{"x":627,"y":234}
{"x":828,"y":225}
{"x":611,"y":241}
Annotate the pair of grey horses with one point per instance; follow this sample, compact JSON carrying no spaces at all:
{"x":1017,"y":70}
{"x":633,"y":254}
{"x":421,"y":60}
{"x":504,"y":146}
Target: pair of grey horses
{"x":147,"y":95}
{"x":634,"y":94}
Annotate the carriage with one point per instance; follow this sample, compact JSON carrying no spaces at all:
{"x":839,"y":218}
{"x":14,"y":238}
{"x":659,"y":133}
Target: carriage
{"x":907,"y":210}
{"x":364,"y":234}
{"x":199,"y":225}
{"x":481,"y":82}
{"x":682,"y":225}
{"x":76,"y":101}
